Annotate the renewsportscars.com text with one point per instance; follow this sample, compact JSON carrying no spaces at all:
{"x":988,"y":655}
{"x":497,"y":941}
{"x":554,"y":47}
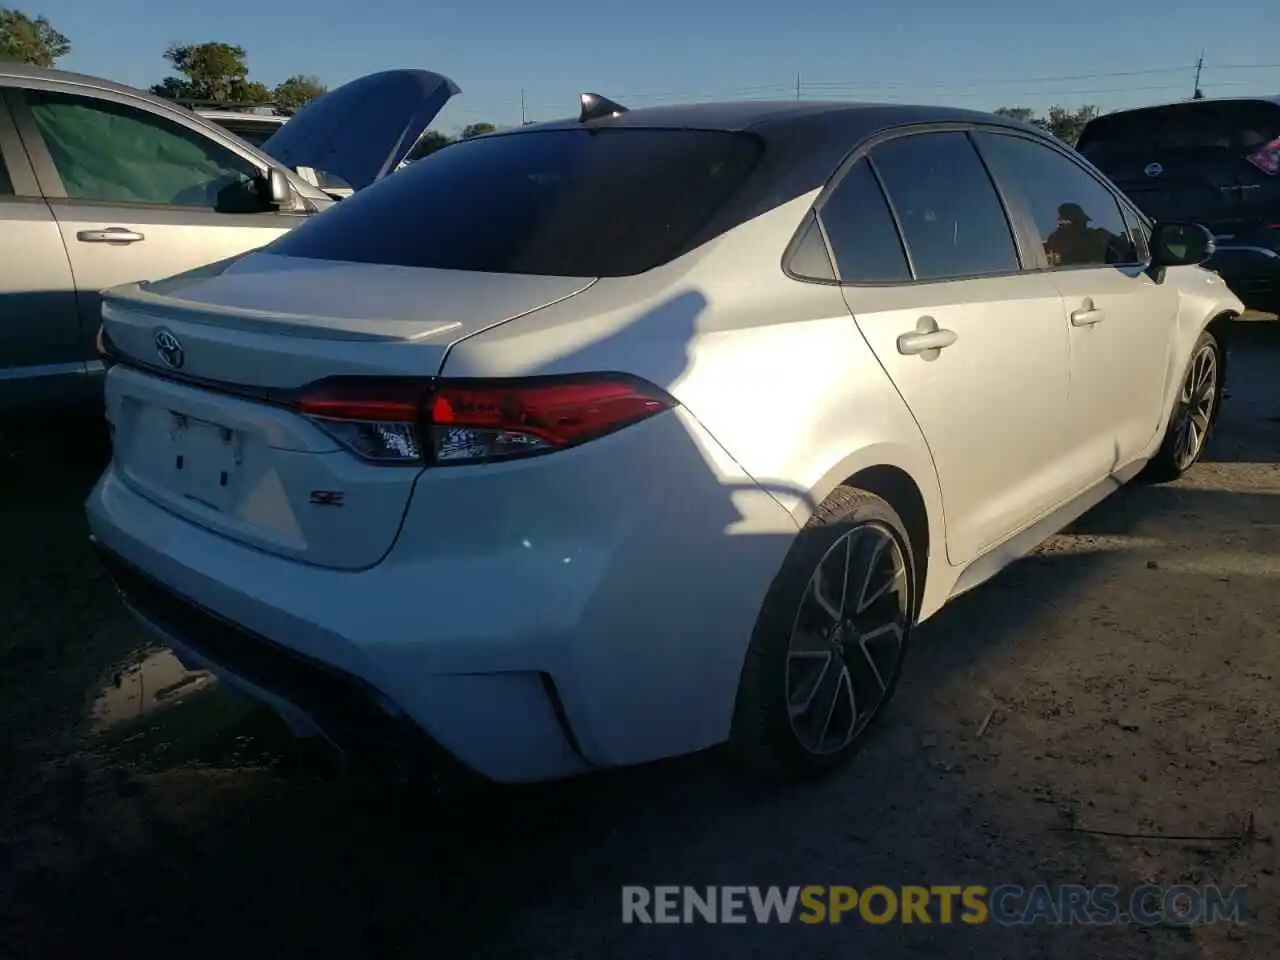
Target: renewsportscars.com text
{"x":1006,"y":905}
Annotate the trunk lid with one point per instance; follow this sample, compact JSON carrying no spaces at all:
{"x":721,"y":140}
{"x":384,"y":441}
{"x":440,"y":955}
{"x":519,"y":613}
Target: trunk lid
{"x":1186,"y":161}
{"x":364,"y":129}
{"x":205,"y":360}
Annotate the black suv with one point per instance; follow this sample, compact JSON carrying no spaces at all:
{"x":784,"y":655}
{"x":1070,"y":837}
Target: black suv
{"x":1216,"y":162}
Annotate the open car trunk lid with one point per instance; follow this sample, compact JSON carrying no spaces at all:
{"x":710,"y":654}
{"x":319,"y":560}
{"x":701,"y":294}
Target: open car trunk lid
{"x":364,"y":129}
{"x":204,"y":363}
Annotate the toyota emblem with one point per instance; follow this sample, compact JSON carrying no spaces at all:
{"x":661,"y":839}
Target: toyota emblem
{"x":169,"y":350}
{"x":1153,"y":169}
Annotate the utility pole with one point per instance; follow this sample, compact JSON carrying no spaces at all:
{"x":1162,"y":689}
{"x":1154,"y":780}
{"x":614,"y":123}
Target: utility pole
{"x":523,"y":120}
{"x":1199,"y":94}
{"x":797,"y":84}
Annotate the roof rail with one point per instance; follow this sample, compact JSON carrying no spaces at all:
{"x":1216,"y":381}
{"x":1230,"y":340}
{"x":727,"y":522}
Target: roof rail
{"x":236,"y":106}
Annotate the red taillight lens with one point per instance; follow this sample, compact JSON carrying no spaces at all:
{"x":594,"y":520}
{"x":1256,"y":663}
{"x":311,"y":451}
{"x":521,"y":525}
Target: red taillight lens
{"x":471,"y":421}
{"x":1267,"y":157}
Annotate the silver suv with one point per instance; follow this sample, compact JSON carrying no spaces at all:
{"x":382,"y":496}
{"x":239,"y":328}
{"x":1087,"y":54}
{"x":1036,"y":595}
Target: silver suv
{"x":102,"y":184}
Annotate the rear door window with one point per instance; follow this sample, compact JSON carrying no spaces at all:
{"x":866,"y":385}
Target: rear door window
{"x":1077,"y":219}
{"x":952,"y":219}
{"x":570,"y":202}
{"x":860,"y":226}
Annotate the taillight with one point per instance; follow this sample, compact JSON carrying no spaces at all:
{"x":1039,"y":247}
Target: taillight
{"x":1267,"y":157}
{"x":396,"y":421}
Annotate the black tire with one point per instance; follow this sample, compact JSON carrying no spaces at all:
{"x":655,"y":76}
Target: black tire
{"x":1171,"y":460}
{"x":764,"y":735}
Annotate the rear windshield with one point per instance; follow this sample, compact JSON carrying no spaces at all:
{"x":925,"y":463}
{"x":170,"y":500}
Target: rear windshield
{"x":1235,"y":127}
{"x":579,"y":203}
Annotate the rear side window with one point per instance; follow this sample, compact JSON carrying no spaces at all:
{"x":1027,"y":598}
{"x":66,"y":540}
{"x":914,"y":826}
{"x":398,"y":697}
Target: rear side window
{"x":1235,"y":127}
{"x":6,"y":185}
{"x":582,"y":203}
{"x":1078,"y":220}
{"x":860,"y":227}
{"x":951,"y":216}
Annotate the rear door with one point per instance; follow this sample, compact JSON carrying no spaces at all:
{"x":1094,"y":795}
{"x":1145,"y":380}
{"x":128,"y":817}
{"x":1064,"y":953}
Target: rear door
{"x":1186,"y":161}
{"x":42,"y":356}
{"x":991,"y":403}
{"x":137,"y":195}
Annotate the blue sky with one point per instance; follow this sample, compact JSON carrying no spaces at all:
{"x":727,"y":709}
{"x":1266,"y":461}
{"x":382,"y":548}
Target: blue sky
{"x":995,"y":52}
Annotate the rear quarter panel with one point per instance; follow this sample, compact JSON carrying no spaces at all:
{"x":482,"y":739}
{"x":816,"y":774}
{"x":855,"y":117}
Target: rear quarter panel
{"x":773,"y":368}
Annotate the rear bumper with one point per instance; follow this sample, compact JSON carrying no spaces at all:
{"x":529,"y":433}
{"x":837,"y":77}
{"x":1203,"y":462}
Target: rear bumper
{"x":312,"y":697}
{"x":534,"y":620}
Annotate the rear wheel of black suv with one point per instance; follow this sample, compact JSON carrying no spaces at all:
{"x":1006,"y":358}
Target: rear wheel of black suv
{"x":1195,"y":413}
{"x":829,"y":642}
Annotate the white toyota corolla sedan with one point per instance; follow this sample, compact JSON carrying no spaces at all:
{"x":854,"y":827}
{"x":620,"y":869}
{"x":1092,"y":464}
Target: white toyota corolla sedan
{"x":611,"y":439}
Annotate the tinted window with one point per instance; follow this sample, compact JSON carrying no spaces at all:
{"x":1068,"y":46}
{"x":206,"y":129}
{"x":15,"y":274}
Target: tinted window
{"x":809,"y":258}
{"x":112,"y":153}
{"x":1078,"y":220}
{"x":863,"y":235}
{"x":572,"y":202}
{"x":951,"y":217}
{"x":1235,"y":127}
{"x":6,"y":185}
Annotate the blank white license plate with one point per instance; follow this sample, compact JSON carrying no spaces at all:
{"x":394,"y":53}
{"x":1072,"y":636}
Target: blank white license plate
{"x":204,"y":459}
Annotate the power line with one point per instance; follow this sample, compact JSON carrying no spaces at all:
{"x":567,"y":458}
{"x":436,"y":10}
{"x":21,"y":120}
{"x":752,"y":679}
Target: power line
{"x":1090,"y":92}
{"x":956,"y":87}
{"x":961,"y":81}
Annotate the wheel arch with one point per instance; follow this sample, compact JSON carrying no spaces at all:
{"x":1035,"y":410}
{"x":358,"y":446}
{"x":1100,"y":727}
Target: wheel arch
{"x":906,"y":479}
{"x":1222,"y":326}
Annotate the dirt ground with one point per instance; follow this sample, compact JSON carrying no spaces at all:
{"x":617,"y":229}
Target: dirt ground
{"x":1122,"y":680}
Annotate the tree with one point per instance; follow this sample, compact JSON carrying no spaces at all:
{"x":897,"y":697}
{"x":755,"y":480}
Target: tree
{"x":1025,"y":114}
{"x":210,"y":71}
{"x":1064,"y":124}
{"x":299,"y":90}
{"x":476,"y":130}
{"x":30,"y":41}
{"x":429,"y":143}
{"x":1067,"y":125}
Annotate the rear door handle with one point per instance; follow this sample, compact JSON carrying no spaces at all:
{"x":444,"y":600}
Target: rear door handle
{"x":1087,"y":315}
{"x":927,"y":341}
{"x":110,"y":235}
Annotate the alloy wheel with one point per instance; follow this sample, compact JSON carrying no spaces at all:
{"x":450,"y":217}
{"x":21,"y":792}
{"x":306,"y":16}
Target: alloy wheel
{"x":847,"y":638}
{"x":1196,"y":406}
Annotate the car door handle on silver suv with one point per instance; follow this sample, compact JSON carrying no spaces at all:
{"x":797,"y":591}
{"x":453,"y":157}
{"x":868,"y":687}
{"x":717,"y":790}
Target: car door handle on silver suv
{"x":110,"y":235}
{"x":926,"y":341}
{"x":1087,"y":315}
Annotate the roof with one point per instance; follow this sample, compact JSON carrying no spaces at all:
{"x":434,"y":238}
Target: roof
{"x":27,"y":72}
{"x":24,"y":71}
{"x":1134,"y":111}
{"x":763,"y":115}
{"x":266,"y":118}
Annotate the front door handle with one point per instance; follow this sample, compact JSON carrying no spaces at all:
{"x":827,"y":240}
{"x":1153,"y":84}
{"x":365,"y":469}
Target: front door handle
{"x":1087,"y":315}
{"x":927,"y":341}
{"x":110,"y":235}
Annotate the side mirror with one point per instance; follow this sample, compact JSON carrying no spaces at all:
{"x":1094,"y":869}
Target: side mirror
{"x":279,"y":191}
{"x":1180,"y":245}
